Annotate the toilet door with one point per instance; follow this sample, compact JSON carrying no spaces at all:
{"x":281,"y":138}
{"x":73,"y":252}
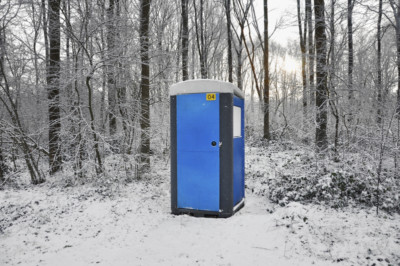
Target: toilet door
{"x":198,"y":169}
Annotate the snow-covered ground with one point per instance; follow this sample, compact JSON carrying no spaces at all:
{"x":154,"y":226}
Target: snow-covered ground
{"x":131,"y":224}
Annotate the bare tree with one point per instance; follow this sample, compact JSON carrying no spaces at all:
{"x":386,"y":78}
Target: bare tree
{"x":45,"y":33}
{"x":53,"y":87}
{"x":303,"y":38}
{"x":396,"y":11}
{"x":311,"y":52}
{"x":229,"y":38}
{"x":266,"y":73}
{"x":321,"y":92}
{"x":379,"y":65}
{"x":121,"y":74}
{"x":252,"y":47}
{"x":201,"y":36}
{"x":112,"y":92}
{"x":10,"y":92}
{"x":350,"y":7}
{"x":185,"y":39}
{"x":240,"y":13}
{"x":332,"y":72}
{"x":3,"y":166}
{"x":145,"y":86}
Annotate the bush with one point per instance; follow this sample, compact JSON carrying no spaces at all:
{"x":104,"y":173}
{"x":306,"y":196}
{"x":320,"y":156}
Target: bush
{"x":292,"y":172}
{"x":336,"y":189}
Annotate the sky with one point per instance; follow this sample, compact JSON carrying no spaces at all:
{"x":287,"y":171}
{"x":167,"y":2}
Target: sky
{"x":284,"y":11}
{"x":279,"y":9}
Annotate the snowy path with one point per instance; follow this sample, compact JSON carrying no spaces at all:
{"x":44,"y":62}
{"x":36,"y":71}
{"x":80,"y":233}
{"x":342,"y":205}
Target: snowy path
{"x":135,"y":228}
{"x":84,"y":225}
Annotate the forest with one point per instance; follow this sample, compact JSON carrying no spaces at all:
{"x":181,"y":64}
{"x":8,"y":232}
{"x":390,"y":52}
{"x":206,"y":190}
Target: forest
{"x":85,"y":116}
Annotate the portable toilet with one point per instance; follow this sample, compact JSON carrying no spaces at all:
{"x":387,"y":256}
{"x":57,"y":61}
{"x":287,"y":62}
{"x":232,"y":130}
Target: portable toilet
{"x":207,"y":148}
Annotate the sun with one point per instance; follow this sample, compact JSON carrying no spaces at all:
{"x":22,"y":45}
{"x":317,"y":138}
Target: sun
{"x":290,"y":64}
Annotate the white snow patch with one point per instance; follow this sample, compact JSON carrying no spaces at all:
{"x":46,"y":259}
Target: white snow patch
{"x":45,"y":225}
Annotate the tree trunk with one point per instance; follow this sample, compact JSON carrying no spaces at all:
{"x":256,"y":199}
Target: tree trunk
{"x":193,"y":46}
{"x":53,"y":87}
{"x":398,"y":62}
{"x":332,"y":89}
{"x":112,"y":92}
{"x":239,"y":65}
{"x":311,"y":52}
{"x":229,"y":35}
{"x":379,"y":66}
{"x":350,"y":5}
{"x":103,"y":111}
{"x":303,"y":61}
{"x":253,"y":63}
{"x":203,"y":57}
{"x":99,"y":168}
{"x":185,"y":40}
{"x":145,"y":86}
{"x":266,"y":73}
{"x":321,"y":92}
{"x":45,"y":35}
{"x":121,"y":76}
{"x":201,"y":46}
{"x":396,"y":12}
{"x":3,"y":166}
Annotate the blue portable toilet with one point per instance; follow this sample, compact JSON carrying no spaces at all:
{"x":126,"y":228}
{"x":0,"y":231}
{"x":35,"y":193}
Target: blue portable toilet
{"x":207,"y":148}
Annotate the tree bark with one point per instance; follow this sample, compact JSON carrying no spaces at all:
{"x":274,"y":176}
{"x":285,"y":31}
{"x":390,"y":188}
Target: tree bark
{"x":350,"y":5}
{"x":266,"y":73}
{"x":45,"y":34}
{"x":99,"y":168}
{"x":145,"y":86}
{"x":201,"y":46}
{"x":311,"y":52}
{"x":379,"y":66}
{"x":112,"y":92}
{"x":239,"y":65}
{"x":321,"y":92}
{"x":53,"y":87}
{"x":3,"y":166}
{"x":332,"y":89}
{"x":121,"y":73}
{"x":303,"y":61}
{"x":185,"y":39}
{"x":229,"y":35}
{"x":396,"y":12}
{"x":398,"y":61}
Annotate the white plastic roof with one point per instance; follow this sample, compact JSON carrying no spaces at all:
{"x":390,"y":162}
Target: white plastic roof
{"x":204,"y":86}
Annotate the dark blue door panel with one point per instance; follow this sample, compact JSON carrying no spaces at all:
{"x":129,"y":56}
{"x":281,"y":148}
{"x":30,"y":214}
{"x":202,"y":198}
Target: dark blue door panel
{"x":197,"y":158}
{"x":238,"y":158}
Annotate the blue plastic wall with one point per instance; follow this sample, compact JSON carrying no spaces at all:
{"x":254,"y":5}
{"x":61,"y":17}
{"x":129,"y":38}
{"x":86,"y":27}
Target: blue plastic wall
{"x":198,"y":164}
{"x":238,"y":158}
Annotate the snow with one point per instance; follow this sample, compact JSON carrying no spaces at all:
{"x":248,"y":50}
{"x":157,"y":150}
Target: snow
{"x":131,"y":225}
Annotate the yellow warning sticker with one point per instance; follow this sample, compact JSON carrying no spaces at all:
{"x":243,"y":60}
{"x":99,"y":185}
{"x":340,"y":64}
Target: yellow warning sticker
{"x":211,"y":97}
